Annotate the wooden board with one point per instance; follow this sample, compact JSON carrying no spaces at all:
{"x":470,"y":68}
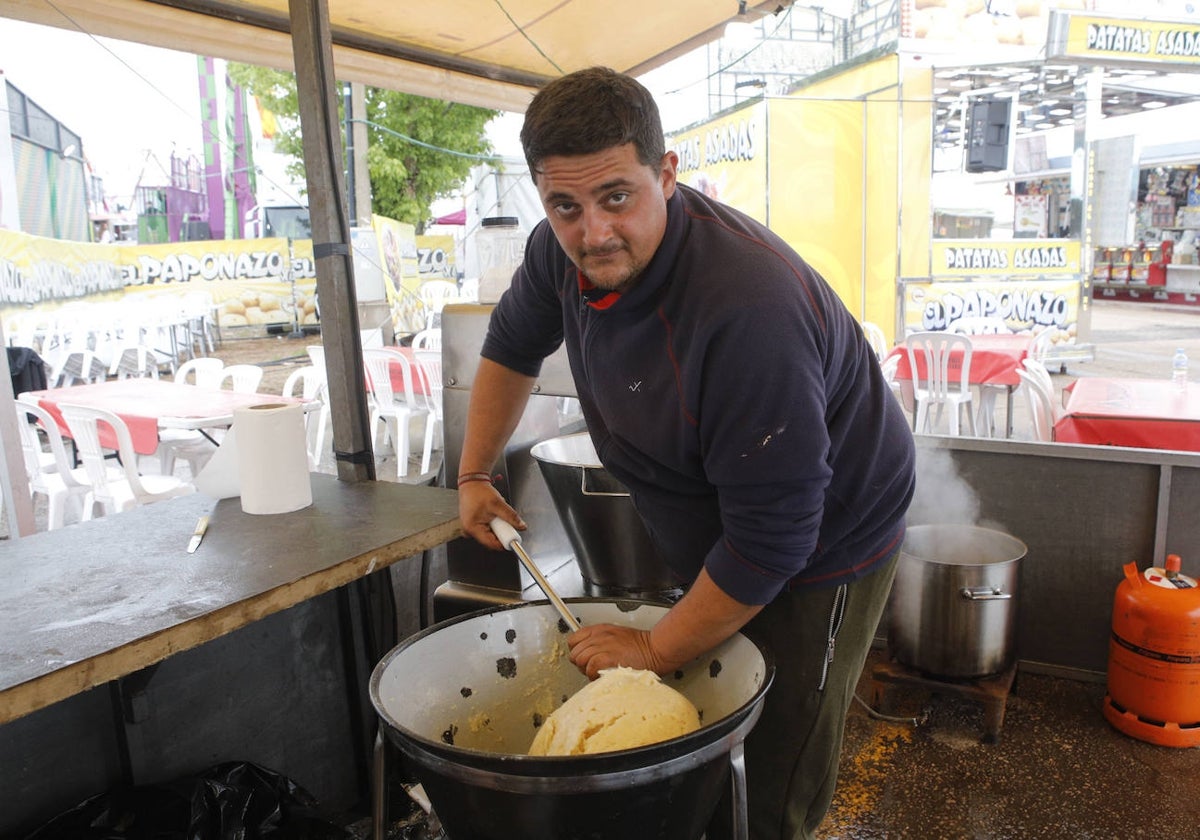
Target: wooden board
{"x":92,"y":602}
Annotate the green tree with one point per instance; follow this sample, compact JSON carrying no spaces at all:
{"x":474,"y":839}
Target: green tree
{"x":418,"y":150}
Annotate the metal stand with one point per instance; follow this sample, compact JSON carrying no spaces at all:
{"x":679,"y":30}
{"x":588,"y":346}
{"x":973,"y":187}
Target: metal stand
{"x":379,"y":787}
{"x":737,"y":779}
{"x":990,"y":691}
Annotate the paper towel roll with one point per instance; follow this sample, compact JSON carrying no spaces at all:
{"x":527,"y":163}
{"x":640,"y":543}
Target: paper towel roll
{"x":272,"y":458}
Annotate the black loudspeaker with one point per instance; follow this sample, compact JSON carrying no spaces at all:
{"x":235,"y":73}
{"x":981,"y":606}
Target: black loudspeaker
{"x":987,"y":135}
{"x":194,"y":230}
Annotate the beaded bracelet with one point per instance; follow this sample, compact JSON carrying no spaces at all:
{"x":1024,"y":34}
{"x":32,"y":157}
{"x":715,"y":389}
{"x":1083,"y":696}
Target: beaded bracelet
{"x":474,"y":476}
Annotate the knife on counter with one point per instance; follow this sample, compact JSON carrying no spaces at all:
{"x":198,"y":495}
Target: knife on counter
{"x":197,"y":535}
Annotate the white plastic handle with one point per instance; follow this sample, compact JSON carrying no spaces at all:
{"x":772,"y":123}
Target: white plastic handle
{"x":509,"y":538}
{"x":504,"y":532}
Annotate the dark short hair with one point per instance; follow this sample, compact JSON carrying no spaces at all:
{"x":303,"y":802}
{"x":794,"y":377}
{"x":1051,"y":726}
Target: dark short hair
{"x":588,"y":111}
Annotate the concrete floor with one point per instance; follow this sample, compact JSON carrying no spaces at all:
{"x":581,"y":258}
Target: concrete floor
{"x":1058,"y":771}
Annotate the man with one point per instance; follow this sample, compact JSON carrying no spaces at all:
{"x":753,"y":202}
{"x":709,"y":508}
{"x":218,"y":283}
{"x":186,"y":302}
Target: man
{"x":727,"y":387}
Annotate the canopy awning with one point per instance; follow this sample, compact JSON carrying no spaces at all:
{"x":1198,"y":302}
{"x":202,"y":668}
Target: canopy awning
{"x":458,"y":217}
{"x":479,"y":52}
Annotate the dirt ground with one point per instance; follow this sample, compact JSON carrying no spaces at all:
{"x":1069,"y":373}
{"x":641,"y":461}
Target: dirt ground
{"x":278,"y":355}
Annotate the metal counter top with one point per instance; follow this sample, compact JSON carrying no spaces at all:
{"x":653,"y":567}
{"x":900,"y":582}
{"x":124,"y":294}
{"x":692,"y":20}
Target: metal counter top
{"x":89,"y":603}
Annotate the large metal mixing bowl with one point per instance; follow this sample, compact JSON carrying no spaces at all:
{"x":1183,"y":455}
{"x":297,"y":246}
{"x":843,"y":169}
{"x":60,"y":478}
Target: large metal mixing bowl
{"x":463,"y":698}
{"x":613,"y":550}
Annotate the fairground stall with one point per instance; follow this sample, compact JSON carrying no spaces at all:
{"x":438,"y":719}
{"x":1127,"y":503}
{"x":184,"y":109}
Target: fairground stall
{"x":972,"y":169}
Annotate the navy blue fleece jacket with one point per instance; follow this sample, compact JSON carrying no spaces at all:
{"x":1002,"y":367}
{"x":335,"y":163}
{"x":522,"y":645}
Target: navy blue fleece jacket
{"x":733,"y":394}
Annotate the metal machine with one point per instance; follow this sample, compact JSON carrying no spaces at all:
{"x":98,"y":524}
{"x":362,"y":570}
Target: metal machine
{"x":480,"y":578}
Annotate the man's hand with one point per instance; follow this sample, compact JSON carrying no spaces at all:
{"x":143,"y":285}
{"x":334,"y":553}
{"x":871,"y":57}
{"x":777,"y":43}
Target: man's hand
{"x":599,"y":646}
{"x":478,"y":503}
{"x":702,"y":619}
{"x":498,"y":399}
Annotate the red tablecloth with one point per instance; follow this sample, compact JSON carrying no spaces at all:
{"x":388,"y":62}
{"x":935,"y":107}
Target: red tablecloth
{"x":142,"y":403}
{"x":994,"y":360}
{"x":1143,"y":413}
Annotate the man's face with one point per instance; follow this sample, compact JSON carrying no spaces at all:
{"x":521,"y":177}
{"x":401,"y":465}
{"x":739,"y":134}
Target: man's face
{"x":608,"y":211}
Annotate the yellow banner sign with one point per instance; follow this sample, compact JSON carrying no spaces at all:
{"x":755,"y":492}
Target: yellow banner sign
{"x":726,"y":159}
{"x":1126,"y":39}
{"x":1026,"y":306}
{"x":1018,"y":257}
{"x":251,"y":282}
{"x":436,"y":257}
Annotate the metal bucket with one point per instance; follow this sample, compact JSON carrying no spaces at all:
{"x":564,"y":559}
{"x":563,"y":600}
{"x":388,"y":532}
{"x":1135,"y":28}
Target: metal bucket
{"x":952,"y":609}
{"x":615,"y":554}
{"x":462,"y":701}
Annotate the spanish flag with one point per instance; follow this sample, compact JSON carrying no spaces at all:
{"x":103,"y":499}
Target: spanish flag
{"x":266,"y":119}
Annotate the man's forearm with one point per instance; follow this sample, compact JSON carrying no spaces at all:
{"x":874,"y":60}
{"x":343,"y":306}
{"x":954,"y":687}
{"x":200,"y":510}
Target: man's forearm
{"x":702,"y":619}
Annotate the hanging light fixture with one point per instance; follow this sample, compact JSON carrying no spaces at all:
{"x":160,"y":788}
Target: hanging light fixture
{"x":739,"y":33}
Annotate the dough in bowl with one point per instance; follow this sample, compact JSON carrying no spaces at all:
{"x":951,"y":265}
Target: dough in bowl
{"x":621,"y":709}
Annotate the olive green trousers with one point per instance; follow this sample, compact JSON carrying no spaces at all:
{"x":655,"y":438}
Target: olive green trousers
{"x":819,"y":639}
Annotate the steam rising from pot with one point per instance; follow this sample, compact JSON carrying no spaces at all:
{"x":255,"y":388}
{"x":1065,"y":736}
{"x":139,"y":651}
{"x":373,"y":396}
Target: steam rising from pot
{"x":942,"y":496}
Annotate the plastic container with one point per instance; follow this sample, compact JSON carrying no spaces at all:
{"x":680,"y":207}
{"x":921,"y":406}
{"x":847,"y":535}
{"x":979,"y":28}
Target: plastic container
{"x":1179,"y":368}
{"x":500,"y":247}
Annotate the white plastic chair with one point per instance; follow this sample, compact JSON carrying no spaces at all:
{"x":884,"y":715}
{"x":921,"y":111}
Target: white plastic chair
{"x":189,"y":444}
{"x":1042,"y":374}
{"x":435,"y":294}
{"x":197,"y":309}
{"x":468,"y":292}
{"x":876,"y":339}
{"x":316,"y":354}
{"x":79,"y":366}
{"x":25,"y":329}
{"x":308,"y":384}
{"x":244,"y":379}
{"x":430,"y":362}
{"x":49,"y":469}
{"x":888,"y":366}
{"x":205,"y":372}
{"x":392,"y":409}
{"x":428,"y":339}
{"x":67,"y":348}
{"x":987,"y":392}
{"x":304,"y":383}
{"x":1041,"y":411}
{"x":980,"y":325}
{"x":139,"y":361}
{"x":940,"y":386}
{"x":1040,"y":344}
{"x":984,"y":325}
{"x":114,"y":494}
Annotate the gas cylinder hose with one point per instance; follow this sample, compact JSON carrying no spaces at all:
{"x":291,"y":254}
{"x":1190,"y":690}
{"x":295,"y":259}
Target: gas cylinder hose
{"x":915,"y":721}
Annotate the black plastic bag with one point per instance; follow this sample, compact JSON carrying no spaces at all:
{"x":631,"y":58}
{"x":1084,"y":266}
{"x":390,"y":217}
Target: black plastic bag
{"x":231,"y":801}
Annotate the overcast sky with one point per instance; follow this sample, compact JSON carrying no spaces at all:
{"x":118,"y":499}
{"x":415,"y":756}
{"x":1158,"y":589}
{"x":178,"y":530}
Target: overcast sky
{"x":122,"y":99}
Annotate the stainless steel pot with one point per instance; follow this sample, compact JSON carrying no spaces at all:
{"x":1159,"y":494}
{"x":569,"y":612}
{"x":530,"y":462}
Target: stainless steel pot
{"x":952,"y":610}
{"x":615,"y":554}
{"x":463,"y":699}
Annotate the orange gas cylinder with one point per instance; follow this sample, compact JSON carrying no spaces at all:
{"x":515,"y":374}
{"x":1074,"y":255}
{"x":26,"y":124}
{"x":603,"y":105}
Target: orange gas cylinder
{"x":1154,"y":657}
